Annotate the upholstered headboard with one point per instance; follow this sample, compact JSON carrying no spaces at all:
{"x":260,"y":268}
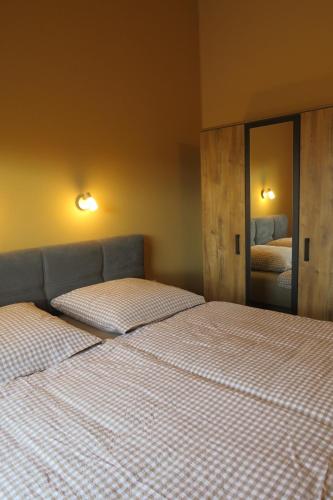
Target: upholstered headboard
{"x":38,"y":275}
{"x":272,"y":227}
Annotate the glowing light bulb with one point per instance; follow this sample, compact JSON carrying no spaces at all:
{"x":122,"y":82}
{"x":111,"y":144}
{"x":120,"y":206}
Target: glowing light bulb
{"x":86,"y":202}
{"x":267,"y":193}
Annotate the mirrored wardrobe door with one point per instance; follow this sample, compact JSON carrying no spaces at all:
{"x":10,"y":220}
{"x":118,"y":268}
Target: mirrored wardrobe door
{"x":272,"y":185}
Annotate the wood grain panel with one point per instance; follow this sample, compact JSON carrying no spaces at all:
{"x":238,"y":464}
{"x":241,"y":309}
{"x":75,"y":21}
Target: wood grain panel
{"x":315,"y":284}
{"x":223,"y":202}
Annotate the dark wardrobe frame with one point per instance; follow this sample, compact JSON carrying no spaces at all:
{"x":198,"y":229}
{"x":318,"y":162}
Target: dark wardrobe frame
{"x":296,"y":120}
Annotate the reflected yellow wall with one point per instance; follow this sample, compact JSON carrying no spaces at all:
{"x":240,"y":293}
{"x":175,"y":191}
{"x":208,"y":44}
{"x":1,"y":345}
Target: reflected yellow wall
{"x":271,"y":166}
{"x":264,"y":58}
{"x":102,"y":97}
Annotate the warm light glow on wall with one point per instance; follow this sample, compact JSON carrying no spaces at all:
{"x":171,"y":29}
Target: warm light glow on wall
{"x":86,"y":202}
{"x":267,"y":194}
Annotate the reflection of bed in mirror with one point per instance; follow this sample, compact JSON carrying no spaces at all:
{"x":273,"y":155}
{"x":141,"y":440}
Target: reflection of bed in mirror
{"x":271,"y":257}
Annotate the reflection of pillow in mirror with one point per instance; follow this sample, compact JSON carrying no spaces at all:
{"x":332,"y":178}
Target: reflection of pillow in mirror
{"x":270,"y":258}
{"x":281,"y":242}
{"x":284,"y":280}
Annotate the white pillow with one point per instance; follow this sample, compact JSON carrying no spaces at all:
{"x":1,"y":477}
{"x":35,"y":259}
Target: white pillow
{"x":281,"y":242}
{"x":270,"y":258}
{"x":125,"y":304}
{"x":32,"y":340}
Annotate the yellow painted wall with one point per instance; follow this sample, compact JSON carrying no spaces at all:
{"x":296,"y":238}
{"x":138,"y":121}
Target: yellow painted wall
{"x":104,"y":97}
{"x":264,"y":58}
{"x":271,"y":166}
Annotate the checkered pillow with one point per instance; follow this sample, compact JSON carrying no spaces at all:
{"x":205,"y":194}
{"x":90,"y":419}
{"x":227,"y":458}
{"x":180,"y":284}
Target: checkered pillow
{"x":125,"y":304}
{"x":281,"y":242}
{"x":270,"y":258}
{"x":32,"y":340}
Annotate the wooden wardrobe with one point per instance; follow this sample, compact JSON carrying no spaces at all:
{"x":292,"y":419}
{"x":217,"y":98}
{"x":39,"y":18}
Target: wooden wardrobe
{"x":223,"y":205}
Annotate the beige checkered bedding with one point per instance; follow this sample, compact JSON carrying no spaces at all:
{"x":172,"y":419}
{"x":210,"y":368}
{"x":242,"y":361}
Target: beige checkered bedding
{"x":285,"y":279}
{"x":125,"y":304}
{"x":32,"y":340}
{"x":115,"y":422}
{"x":276,"y":259}
{"x":281,"y":242}
{"x":278,"y":357}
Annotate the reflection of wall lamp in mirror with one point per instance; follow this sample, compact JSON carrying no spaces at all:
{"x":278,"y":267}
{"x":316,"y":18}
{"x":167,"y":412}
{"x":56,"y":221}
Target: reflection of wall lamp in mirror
{"x":86,"y":202}
{"x":267,"y":194}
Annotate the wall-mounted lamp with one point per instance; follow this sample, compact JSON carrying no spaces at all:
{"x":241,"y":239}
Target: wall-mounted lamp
{"x":86,"y":202}
{"x":267,"y":194}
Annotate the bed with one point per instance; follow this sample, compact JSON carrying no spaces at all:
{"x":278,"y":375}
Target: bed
{"x":271,"y":255}
{"x":216,"y":401}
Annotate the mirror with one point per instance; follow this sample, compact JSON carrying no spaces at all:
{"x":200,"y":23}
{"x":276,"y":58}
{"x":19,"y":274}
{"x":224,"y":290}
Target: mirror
{"x":272,"y":179}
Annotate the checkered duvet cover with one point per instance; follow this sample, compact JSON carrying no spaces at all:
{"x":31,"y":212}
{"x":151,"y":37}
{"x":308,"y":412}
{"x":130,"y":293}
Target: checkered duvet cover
{"x":276,"y":357}
{"x":121,"y":420}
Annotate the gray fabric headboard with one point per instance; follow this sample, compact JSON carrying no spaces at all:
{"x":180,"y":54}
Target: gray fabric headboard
{"x":38,"y":275}
{"x":265,"y":229}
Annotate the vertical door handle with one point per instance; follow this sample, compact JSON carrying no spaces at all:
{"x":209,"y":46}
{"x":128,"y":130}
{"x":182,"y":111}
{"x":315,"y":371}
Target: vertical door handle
{"x":237,"y":245}
{"x":306,"y":249}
